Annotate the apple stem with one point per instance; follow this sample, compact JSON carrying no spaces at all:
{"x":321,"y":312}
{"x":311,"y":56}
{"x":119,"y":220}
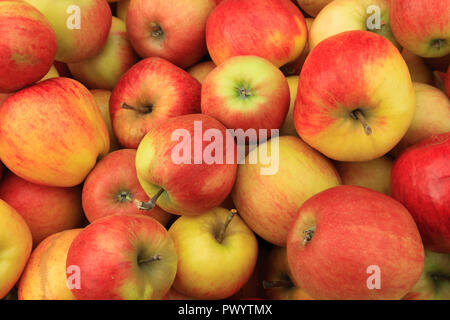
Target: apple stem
{"x":277,"y":284}
{"x":438,"y":43}
{"x":308,"y":235}
{"x":358,"y":115}
{"x":124,"y":196}
{"x":134,"y":108}
{"x":156,"y":257}
{"x":156,"y":30}
{"x":149,"y":205}
{"x":225,"y":226}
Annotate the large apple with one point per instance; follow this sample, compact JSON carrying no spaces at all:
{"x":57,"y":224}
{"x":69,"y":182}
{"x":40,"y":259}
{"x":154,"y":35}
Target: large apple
{"x":432,"y":116}
{"x":246,"y":92}
{"x":104,"y":70}
{"x":346,"y":15}
{"x":123,"y":257}
{"x":81,"y":26}
{"x":45,"y":276}
{"x":420,"y":181}
{"x":313,"y":7}
{"x":272,"y":29}
{"x":15,"y":249}
{"x":422,"y":26}
{"x":46,"y":210}
{"x":181,"y":168}
{"x":201,"y":70}
{"x":350,"y":242}
{"x":419,"y":71}
{"x":346,"y":106}
{"x":216,"y":252}
{"x":170,"y":29}
{"x":52,"y":133}
{"x":152,"y":91}
{"x":27,"y":45}
{"x":111,"y":187}
{"x":268,"y":201}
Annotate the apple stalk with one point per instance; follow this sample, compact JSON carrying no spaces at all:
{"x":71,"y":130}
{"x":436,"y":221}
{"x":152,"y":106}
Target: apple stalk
{"x":149,"y":205}
{"x":358,"y":115}
{"x":221,"y":235}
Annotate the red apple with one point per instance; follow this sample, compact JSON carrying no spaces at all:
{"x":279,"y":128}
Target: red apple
{"x":350,"y":242}
{"x":152,"y":91}
{"x":420,"y":180}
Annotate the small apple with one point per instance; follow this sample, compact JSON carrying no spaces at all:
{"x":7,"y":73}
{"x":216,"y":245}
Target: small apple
{"x":201,"y":70}
{"x":225,"y":261}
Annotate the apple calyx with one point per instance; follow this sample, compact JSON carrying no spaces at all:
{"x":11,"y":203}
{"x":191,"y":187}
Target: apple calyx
{"x":230,"y":217}
{"x":156,"y":257}
{"x":145,"y":110}
{"x":156,"y":30}
{"x":277,"y":284}
{"x":308,"y":235}
{"x":438,"y":43}
{"x":124,"y":196}
{"x":149,"y":205}
{"x":358,"y":115}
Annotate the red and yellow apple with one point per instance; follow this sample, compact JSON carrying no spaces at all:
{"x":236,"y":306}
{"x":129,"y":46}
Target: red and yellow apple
{"x":201,"y":70}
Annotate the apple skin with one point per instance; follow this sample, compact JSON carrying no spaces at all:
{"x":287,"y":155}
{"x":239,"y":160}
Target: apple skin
{"x":220,"y":269}
{"x":420,"y":72}
{"x":237,"y":28}
{"x":173,"y":294}
{"x":55,"y":126}
{"x":16,"y":244}
{"x":46,"y":210}
{"x":347,"y":219}
{"x":373,"y":174}
{"x":182,"y":25}
{"x":447,"y":82}
{"x":269,"y":203}
{"x":418,"y":24}
{"x":104,"y":70}
{"x":313,"y":7}
{"x":118,"y":246}
{"x":122,"y":9}
{"x":158,"y":86}
{"x":432,"y":116}
{"x":28,"y":45}
{"x":111,"y":186}
{"x":419,"y":180}
{"x":344,"y":74}
{"x":346,"y":15}
{"x":276,"y":268}
{"x":201,"y":70}
{"x":288,"y":127}
{"x":246,"y":92}
{"x":189,"y":189}
{"x":44,"y":277}
{"x":52,"y":73}
{"x":75,"y":45}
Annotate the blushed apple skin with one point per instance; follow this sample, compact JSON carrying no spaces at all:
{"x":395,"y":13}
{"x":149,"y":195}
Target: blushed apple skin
{"x":44,"y":277}
{"x":55,"y":126}
{"x":27,"y":45}
{"x":269,"y":203}
{"x":420,"y":181}
{"x":46,"y":210}
{"x":112,"y":175}
{"x":355,"y":228}
{"x":183,"y":23}
{"x":344,"y":73}
{"x":156,"y":82}
{"x":113,"y":245}
{"x":272,"y":29}
{"x":201,"y":70}
{"x":190,"y":189}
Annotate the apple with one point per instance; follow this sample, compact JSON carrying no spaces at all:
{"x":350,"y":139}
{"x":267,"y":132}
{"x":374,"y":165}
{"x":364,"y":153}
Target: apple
{"x":52,"y":133}
{"x":52,"y":73}
{"x":272,"y":29}
{"x":347,"y":108}
{"x":123,"y":257}
{"x":152,"y":91}
{"x":268,"y":203}
{"x":201,"y":70}
{"x":122,"y":9}
{"x":313,"y":7}
{"x":419,"y":180}
{"x":44,"y":277}
{"x":111,"y":187}
{"x":4,"y":96}
{"x":288,"y":127}
{"x":432,"y":116}
{"x":434,"y":284}
{"x":46,"y":210}
{"x":184,"y":177}
{"x":278,"y":282}
{"x":422,"y":26}
{"x":81,"y":26}
{"x":354,"y":243}
{"x":418,"y":69}
{"x":170,"y":29}
{"x":104,"y":70}
{"x":102,"y":97}
{"x":373,"y":174}
{"x":227,"y":258}
{"x":246,"y":92}
{"x":16,"y":243}
{"x":28,"y":45}
{"x":346,"y":15}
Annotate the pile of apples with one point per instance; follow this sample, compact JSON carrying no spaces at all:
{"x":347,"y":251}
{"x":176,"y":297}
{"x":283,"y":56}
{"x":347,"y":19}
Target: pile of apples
{"x":350,"y":97}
